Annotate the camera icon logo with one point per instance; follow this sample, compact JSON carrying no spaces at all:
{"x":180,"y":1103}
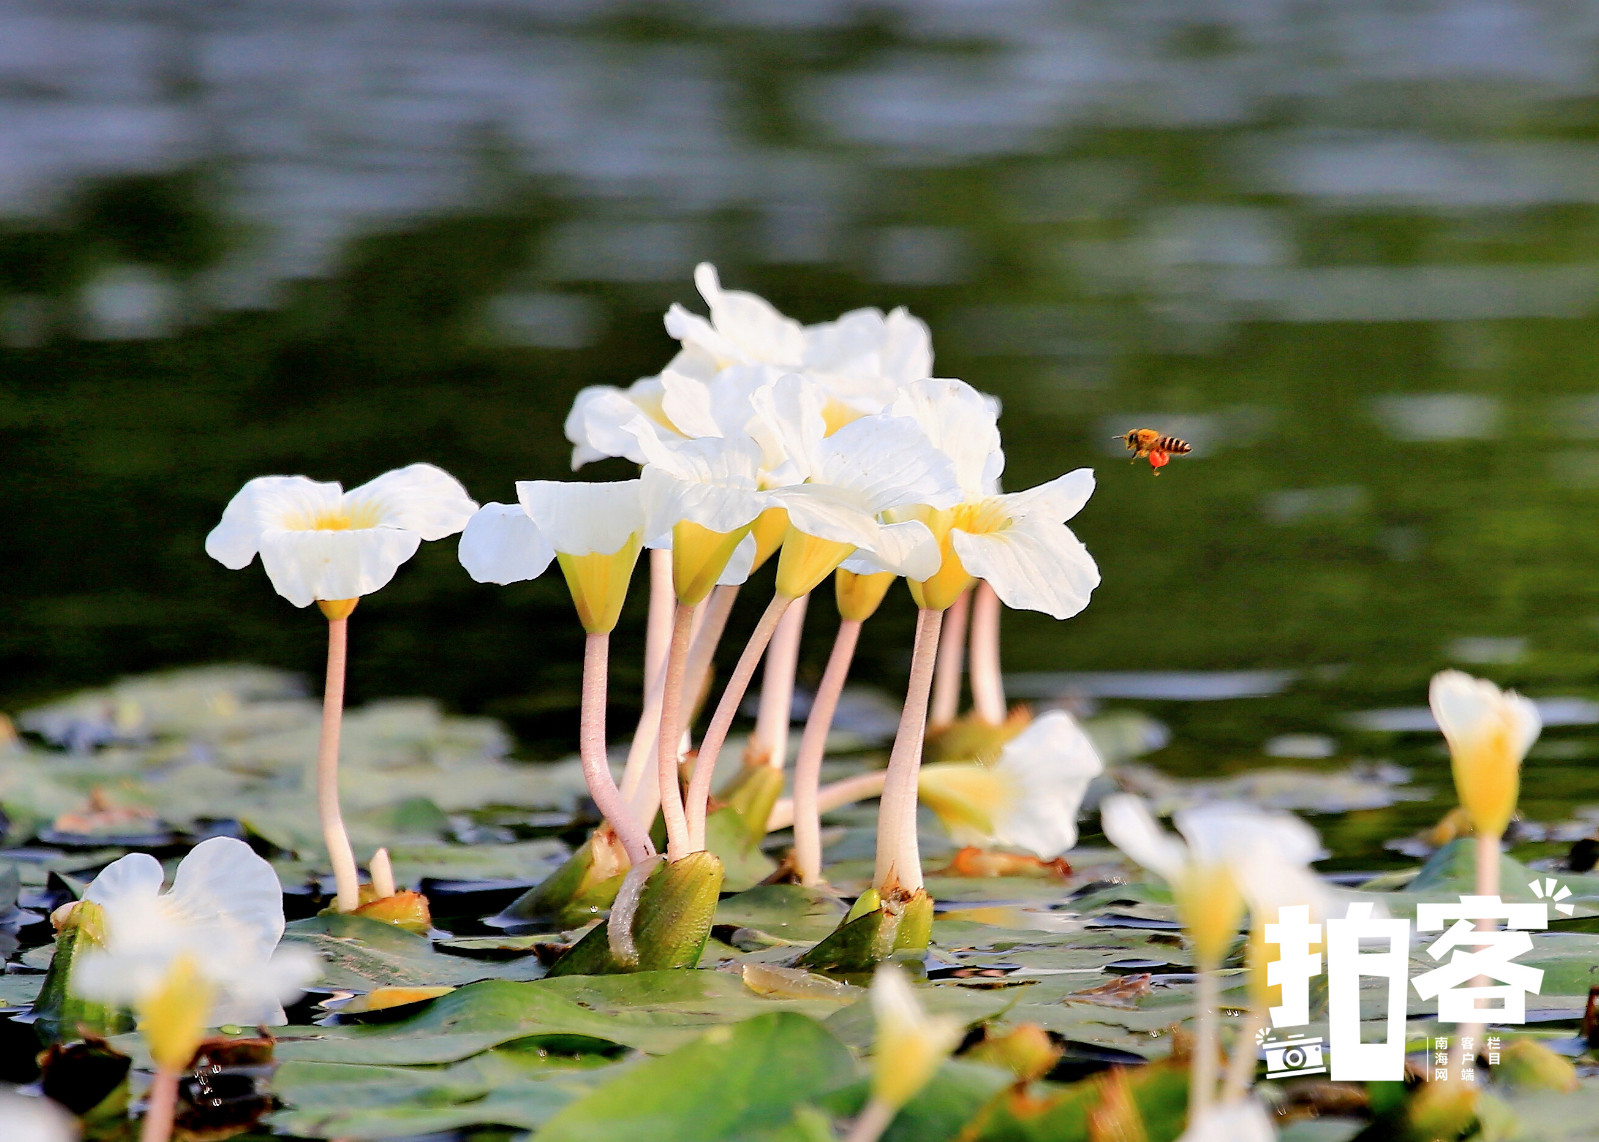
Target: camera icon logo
{"x":1289,"y":1058}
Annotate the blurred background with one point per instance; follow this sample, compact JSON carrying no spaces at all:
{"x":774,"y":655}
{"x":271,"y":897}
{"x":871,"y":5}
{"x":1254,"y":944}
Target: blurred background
{"x":1349,"y":249}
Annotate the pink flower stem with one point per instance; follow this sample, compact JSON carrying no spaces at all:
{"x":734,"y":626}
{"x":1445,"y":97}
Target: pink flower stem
{"x":988,"y":685}
{"x":875,"y":1117}
{"x":813,"y":746}
{"x":835,"y":795}
{"x":658,"y":626}
{"x":671,"y":730}
{"x":710,"y":620}
{"x":717,"y":608}
{"x":898,"y":856}
{"x":768,"y":745}
{"x":162,"y":1106}
{"x":699,"y":786}
{"x":591,"y":748}
{"x":345,"y":878}
{"x":951,"y":662}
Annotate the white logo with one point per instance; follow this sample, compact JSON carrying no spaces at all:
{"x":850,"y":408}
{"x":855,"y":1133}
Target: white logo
{"x":1472,"y":950}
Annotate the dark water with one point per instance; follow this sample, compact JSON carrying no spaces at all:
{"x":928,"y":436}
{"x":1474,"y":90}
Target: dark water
{"x":1351,"y":250}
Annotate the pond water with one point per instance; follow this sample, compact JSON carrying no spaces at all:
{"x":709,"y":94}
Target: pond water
{"x":1350,"y":251}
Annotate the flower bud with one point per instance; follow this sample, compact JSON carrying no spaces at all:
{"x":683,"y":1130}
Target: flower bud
{"x":910,"y":1043}
{"x":1489,"y":732}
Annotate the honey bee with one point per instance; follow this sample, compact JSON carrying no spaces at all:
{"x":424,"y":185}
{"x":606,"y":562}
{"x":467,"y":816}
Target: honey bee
{"x":1146,"y":442}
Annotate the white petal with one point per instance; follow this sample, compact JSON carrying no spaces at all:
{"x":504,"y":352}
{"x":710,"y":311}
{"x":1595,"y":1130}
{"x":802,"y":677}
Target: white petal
{"x":419,"y":497}
{"x":1465,"y":707}
{"x":305,"y":566}
{"x":1052,"y":762}
{"x":136,"y":877}
{"x":607,"y":421}
{"x":750,"y":322}
{"x":963,"y":424}
{"x":789,"y":426}
{"x":701,"y":336}
{"x":1219,"y":832}
{"x":1035,"y":565}
{"x":1243,"y":1120}
{"x":223,"y":883}
{"x":829,"y":512}
{"x":34,"y":1118}
{"x":502,"y":544}
{"x":713,"y":481}
{"x":1058,"y":500}
{"x":739,"y":564}
{"x":907,"y":549}
{"x":579,"y":518}
{"x":853,"y":342}
{"x":889,"y":462}
{"x":687,"y":403}
{"x":907,"y":354}
{"x":256,"y":993}
{"x":1525,"y":722}
{"x":1131,"y":827}
{"x":265,"y":503}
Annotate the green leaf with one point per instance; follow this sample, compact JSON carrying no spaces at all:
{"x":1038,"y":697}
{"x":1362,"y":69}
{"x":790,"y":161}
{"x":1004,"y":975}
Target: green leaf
{"x":361,"y":954}
{"x":789,"y":913}
{"x":651,"y":1011}
{"x":506,"y":1087}
{"x":744,"y":866}
{"x":729,"y":1084}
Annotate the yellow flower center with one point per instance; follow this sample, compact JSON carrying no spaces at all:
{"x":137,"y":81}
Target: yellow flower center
{"x":836,"y":414}
{"x":951,"y":580}
{"x":599,"y":582}
{"x":859,"y":596}
{"x":345,"y":517}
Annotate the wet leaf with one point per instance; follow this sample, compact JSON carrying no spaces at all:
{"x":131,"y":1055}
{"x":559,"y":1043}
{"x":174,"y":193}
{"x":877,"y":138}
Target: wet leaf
{"x":731,"y":1083}
{"x":650,"y":1011}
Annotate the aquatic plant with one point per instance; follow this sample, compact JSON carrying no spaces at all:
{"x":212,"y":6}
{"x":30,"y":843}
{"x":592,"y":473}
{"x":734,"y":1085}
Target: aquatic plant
{"x":320,"y":544}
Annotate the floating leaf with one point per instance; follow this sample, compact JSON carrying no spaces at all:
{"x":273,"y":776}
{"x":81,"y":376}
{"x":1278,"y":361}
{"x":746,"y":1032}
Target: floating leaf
{"x":731,"y":1083}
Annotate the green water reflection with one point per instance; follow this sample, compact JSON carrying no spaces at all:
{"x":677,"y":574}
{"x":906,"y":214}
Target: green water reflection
{"x":1370,"y":303}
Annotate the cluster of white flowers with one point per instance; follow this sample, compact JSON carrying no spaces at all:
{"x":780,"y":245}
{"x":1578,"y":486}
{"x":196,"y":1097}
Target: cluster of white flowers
{"x":838,"y":425}
{"x":831,"y":447}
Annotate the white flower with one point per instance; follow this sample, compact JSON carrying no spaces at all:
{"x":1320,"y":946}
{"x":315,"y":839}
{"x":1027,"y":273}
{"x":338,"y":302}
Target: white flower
{"x":910,"y":1043}
{"x":860,"y":362}
{"x":1228,"y":853}
{"x":1242,"y":1120}
{"x":713,"y":482}
{"x":594,"y":529}
{"x":34,"y":1118}
{"x":321,"y":543}
{"x":837,"y":487}
{"x":224,"y":914}
{"x":1489,"y":732}
{"x":861,"y":359}
{"x":1029,"y":797}
{"x":744,"y":329}
{"x":600,"y":422}
{"x":1019,"y":543}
